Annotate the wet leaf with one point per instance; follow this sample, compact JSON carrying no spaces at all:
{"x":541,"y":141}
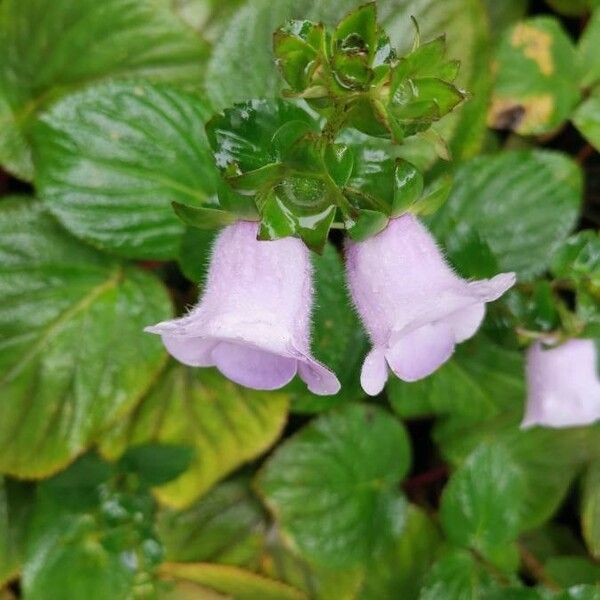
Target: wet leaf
{"x":74,"y":358}
{"x":535,"y":88}
{"x":333,"y":486}
{"x":110,"y":160}
{"x":51,"y":49}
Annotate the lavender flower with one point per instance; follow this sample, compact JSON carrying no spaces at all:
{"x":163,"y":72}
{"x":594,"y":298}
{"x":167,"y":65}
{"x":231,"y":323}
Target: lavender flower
{"x":253,"y":320}
{"x":414,"y":307}
{"x":563,"y":385}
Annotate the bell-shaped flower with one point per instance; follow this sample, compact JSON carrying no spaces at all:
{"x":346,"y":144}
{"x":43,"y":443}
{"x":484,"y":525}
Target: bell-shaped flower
{"x":563,"y":387}
{"x":253,"y":320}
{"x":413,"y":305}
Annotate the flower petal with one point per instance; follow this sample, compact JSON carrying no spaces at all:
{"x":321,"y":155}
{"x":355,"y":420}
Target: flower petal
{"x":465,"y":323}
{"x":374,"y":372}
{"x":191,"y":351}
{"x":563,"y":388}
{"x":252,"y":367}
{"x":488,"y":290}
{"x":420,"y":352}
{"x":318,"y":378}
{"x":253,"y":319}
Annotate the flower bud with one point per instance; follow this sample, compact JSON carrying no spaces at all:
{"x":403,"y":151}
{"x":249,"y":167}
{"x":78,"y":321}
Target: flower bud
{"x":412,"y":304}
{"x":253,"y":320}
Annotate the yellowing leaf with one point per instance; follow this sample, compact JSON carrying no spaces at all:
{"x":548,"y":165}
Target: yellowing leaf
{"x":235,"y":583}
{"x":535,"y":72}
{"x":73,"y":354}
{"x":225,"y":424}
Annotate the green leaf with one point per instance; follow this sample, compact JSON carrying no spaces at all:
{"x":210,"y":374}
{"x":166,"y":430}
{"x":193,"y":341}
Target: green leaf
{"x":579,"y":258}
{"x":263,"y":148}
{"x":333,"y":486}
{"x":73,"y":358}
{"x":51,"y":49}
{"x":110,"y":160}
{"x":373,"y":182}
{"x":195,"y":252}
{"x":339,"y":162}
{"x":242,"y":137}
{"x":338,"y":340}
{"x":15,"y":508}
{"x":416,"y":103}
{"x":299,"y":206}
{"x":588,"y":60}
{"x":570,"y":8}
{"x":230,"y":79}
{"x":203,"y":218}
{"x":548,"y":476}
{"x":580,"y":592}
{"x":590,"y":509}
{"x":482,"y":503}
{"x":226,"y":526}
{"x":429,"y":60}
{"x":360,"y":50}
{"x":400,"y":573}
{"x":457,"y":575}
{"x":552,"y":539}
{"x":232,"y":581}
{"x":587,"y":118}
{"x":469,"y":254}
{"x":357,"y":30}
{"x":297,"y":47}
{"x":408,"y":186}
{"x":322,"y":582}
{"x":517,"y":593}
{"x":429,"y":204}
{"x":207,"y":17}
{"x":368,"y":224}
{"x":155,"y":464}
{"x":242,"y":206}
{"x":535,"y":86}
{"x":522,"y":204}
{"x":536,"y":310}
{"x":479,"y":381}
{"x":90,"y":539}
{"x":504,"y":14}
{"x":247,"y":41}
{"x":568,"y":571}
{"x":226,"y":425}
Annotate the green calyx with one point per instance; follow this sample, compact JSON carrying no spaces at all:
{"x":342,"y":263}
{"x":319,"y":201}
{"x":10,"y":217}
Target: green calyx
{"x":354,"y":69}
{"x":281,"y":161}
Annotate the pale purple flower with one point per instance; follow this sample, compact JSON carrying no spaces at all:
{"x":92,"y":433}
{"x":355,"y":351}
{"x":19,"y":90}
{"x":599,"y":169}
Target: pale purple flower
{"x":253,"y":320}
{"x":412,"y":304}
{"x":563,"y":388}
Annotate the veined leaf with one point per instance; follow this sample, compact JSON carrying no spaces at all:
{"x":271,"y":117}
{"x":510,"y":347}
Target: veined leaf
{"x":226,"y":425}
{"x":333,"y":486}
{"x":73,"y":356}
{"x":226,"y":526}
{"x":231,"y":581}
{"x":247,"y":40}
{"x":15,"y":507}
{"x":112,"y":159}
{"x":50,"y":49}
{"x":522,"y":204}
